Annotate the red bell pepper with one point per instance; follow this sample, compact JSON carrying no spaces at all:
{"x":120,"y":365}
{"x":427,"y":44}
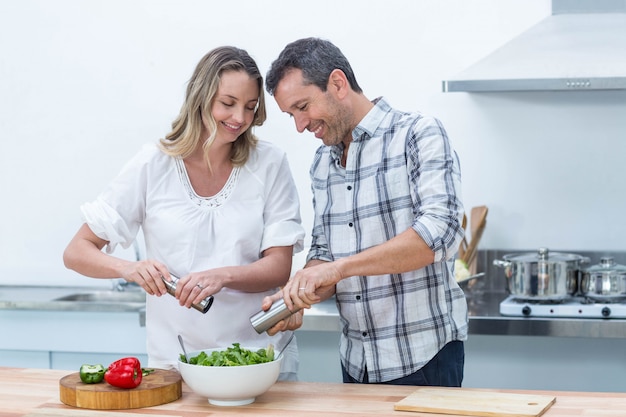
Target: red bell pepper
{"x":124,"y":373}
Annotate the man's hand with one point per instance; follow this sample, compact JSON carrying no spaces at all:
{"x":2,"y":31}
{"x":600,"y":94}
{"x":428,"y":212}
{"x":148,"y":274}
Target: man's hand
{"x":292,"y":322}
{"x":311,"y":285}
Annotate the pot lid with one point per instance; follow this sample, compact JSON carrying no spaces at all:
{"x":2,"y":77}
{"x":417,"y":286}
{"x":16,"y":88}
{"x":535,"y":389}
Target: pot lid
{"x":543,"y":254}
{"x":607,"y":264}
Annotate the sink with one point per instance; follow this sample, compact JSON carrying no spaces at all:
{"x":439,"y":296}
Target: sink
{"x":106,"y":297}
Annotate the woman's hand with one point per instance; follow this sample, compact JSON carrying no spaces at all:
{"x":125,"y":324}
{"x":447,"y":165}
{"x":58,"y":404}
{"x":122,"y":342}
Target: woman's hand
{"x":84,"y":255}
{"x":147,"y":274}
{"x":196,"y":286}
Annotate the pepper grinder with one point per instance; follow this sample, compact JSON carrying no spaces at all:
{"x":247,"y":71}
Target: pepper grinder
{"x":264,"y":320}
{"x":203,"y":306}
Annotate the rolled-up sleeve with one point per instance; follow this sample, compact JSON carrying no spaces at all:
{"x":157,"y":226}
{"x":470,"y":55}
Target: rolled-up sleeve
{"x":434,"y":173}
{"x":117,"y":213}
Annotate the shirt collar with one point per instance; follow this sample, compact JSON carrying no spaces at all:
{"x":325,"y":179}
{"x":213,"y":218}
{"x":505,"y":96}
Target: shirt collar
{"x":366,"y":127}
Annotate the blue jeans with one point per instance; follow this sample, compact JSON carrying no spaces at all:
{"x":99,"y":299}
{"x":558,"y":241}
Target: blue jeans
{"x":445,"y":369}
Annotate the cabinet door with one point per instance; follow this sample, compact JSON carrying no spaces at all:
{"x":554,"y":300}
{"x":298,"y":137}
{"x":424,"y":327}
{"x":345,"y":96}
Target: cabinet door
{"x":67,"y":339}
{"x":25,"y":359}
{"x":72,"y":331}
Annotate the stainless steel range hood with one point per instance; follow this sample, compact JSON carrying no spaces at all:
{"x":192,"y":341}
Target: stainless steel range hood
{"x":581,"y":46}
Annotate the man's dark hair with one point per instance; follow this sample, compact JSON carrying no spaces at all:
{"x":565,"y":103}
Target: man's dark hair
{"x":316,"y":58}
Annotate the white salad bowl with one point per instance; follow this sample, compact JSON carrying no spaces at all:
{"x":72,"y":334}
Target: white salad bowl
{"x":230,"y":385}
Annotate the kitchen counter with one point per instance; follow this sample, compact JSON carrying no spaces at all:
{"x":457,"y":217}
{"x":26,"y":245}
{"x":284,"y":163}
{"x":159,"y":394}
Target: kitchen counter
{"x":35,"y":393}
{"x":55,"y":298}
{"x":485,"y":317}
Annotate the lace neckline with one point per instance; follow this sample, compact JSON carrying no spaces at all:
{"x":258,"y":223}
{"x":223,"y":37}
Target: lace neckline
{"x":213,"y":201}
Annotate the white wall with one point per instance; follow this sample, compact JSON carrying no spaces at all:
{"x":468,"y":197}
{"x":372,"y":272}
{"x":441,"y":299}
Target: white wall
{"x":83,"y":84}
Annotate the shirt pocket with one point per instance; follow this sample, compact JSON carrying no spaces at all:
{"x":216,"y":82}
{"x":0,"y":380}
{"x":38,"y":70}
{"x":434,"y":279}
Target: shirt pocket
{"x":384,"y":188}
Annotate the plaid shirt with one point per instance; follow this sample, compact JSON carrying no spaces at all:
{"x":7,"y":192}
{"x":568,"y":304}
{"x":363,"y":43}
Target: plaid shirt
{"x":401,"y":172}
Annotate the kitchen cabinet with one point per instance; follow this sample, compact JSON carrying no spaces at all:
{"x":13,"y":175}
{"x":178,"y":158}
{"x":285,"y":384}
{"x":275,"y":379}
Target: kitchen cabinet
{"x":319,"y":356}
{"x":25,"y":358}
{"x":548,"y":363}
{"x":67,"y":339}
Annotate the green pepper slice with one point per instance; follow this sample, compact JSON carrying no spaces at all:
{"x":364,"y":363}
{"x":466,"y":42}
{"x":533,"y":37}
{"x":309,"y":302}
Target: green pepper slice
{"x":92,"y":374}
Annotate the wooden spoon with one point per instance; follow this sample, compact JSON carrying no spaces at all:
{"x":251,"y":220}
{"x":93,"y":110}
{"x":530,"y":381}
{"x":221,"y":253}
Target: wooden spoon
{"x":463,"y":246}
{"x":478,"y":221}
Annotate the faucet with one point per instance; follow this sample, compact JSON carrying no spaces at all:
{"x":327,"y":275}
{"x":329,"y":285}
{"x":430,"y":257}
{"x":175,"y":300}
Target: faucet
{"x":121,"y":285}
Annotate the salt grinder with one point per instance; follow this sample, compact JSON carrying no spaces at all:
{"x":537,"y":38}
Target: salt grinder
{"x":203,"y":306}
{"x":264,"y":320}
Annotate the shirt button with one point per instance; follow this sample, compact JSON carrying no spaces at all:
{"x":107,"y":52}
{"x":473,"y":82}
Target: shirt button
{"x":350,"y":224}
{"x":364,"y":334}
{"x":358,"y":297}
{"x":349,"y":187}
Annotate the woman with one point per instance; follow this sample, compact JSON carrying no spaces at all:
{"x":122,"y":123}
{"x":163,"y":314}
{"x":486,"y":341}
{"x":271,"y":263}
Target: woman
{"x":217,"y":207}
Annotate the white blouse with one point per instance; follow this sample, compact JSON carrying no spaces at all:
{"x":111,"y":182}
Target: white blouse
{"x":258,"y":208}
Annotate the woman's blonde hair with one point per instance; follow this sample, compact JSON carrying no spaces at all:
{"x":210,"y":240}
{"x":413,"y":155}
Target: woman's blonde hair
{"x":201,"y":90}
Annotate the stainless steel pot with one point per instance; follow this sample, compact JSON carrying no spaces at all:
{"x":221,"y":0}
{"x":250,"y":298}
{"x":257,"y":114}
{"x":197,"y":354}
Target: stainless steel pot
{"x":542,"y":275}
{"x":604,"y":282}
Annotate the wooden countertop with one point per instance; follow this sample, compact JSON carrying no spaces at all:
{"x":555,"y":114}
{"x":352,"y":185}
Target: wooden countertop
{"x":35,"y":393}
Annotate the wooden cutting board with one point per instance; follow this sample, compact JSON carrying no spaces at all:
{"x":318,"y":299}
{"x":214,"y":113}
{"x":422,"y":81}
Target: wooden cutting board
{"x":159,"y":387}
{"x":475,"y":403}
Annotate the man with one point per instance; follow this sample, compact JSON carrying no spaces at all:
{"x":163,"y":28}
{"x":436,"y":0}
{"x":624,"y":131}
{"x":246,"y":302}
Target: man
{"x":386,"y":193}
